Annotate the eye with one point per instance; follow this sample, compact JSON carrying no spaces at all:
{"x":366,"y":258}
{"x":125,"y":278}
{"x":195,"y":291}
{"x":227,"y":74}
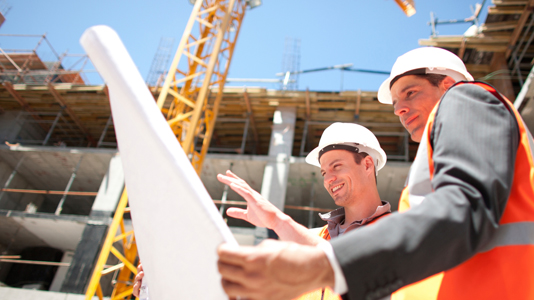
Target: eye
{"x":323,"y":173}
{"x":410,"y":93}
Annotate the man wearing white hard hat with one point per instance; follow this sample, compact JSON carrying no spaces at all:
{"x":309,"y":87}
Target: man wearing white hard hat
{"x":349,"y":156}
{"x":473,"y":177}
{"x":468,"y":207}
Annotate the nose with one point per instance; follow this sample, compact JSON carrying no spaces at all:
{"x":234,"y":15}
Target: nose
{"x":400,"y":108}
{"x":328,"y":179}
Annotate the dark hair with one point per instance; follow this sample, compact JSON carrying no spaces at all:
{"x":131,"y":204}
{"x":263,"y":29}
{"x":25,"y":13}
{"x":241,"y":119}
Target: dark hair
{"x":358,"y":157}
{"x":434,"y":79}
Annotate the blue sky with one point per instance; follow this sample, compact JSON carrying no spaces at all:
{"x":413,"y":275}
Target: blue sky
{"x":370,"y":34}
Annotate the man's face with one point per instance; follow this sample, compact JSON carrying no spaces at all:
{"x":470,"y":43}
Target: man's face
{"x":343,"y":178}
{"x":413,"y":100}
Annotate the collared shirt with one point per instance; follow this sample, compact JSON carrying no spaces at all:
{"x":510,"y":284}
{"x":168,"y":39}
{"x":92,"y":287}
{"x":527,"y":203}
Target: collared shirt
{"x":336,"y":217}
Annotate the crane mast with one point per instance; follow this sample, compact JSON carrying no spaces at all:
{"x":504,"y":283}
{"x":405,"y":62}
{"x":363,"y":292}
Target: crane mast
{"x":191,"y":112}
{"x":198,"y":70}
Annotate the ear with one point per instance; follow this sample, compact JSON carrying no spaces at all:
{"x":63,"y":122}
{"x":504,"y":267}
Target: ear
{"x":368,"y":163}
{"x":447,"y":83}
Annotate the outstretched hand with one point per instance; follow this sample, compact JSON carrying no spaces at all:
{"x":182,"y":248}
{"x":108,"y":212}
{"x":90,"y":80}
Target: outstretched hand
{"x":273,"y":270}
{"x":260,"y":212}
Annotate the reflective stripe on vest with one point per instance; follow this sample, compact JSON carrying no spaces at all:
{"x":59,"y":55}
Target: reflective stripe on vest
{"x":504,"y":267}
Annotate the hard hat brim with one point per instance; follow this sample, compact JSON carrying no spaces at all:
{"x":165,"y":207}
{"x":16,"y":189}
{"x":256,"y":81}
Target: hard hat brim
{"x":379,"y":156}
{"x":384,"y":92}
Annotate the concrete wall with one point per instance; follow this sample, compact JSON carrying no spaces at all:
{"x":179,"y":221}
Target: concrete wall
{"x":16,"y":201}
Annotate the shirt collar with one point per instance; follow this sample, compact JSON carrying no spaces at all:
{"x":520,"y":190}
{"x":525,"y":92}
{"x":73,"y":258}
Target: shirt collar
{"x":338,"y":215}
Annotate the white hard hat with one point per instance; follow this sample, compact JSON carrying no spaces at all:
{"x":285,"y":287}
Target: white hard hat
{"x":348,"y":136}
{"x":425,"y":60}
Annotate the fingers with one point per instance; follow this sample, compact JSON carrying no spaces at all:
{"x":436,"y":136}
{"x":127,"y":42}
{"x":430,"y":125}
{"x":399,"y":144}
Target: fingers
{"x":229,"y":179}
{"x":233,"y":181}
{"x":233,"y":255}
{"x":237,"y":184}
{"x":136,"y":289}
{"x":237,"y":213}
{"x":237,"y":291}
{"x":138,"y":281}
{"x":140,"y":275}
{"x":232,"y":273}
{"x":239,"y":280}
{"x":242,"y":191}
{"x":224,"y":179}
{"x":231,"y":174}
{"x":237,"y":179}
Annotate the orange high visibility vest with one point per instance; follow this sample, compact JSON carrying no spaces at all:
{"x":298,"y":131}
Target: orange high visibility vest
{"x":327,"y":293}
{"x":504,"y":269}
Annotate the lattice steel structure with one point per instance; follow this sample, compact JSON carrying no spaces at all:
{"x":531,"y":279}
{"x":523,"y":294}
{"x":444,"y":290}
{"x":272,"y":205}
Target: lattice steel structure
{"x":27,"y":66}
{"x":207,"y":47}
{"x":291,"y":64}
{"x":160,"y":62}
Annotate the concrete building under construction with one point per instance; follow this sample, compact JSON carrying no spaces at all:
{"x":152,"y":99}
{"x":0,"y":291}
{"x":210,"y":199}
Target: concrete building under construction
{"x":62,"y":178}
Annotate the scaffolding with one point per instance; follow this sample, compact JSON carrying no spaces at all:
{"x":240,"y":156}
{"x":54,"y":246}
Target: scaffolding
{"x":160,"y":62}
{"x":41,"y":64}
{"x":520,"y":56}
{"x":45,"y":129}
{"x":291,"y":64}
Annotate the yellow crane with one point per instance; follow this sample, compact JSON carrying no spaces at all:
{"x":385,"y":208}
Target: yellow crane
{"x":199,"y":68}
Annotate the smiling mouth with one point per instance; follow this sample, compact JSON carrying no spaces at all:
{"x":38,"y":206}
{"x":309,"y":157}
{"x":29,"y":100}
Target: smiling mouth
{"x":409,"y":120}
{"x":337,"y":187}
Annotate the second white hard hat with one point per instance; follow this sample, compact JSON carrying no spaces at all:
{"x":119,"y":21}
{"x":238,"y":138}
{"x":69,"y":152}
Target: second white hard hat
{"x":349,"y":135}
{"x":427,"y":60}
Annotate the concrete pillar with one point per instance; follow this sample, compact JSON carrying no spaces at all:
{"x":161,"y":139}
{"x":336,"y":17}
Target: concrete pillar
{"x":95,"y":231}
{"x":110,"y":190}
{"x":81,"y":267}
{"x":61,"y":272}
{"x":276,"y":171}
